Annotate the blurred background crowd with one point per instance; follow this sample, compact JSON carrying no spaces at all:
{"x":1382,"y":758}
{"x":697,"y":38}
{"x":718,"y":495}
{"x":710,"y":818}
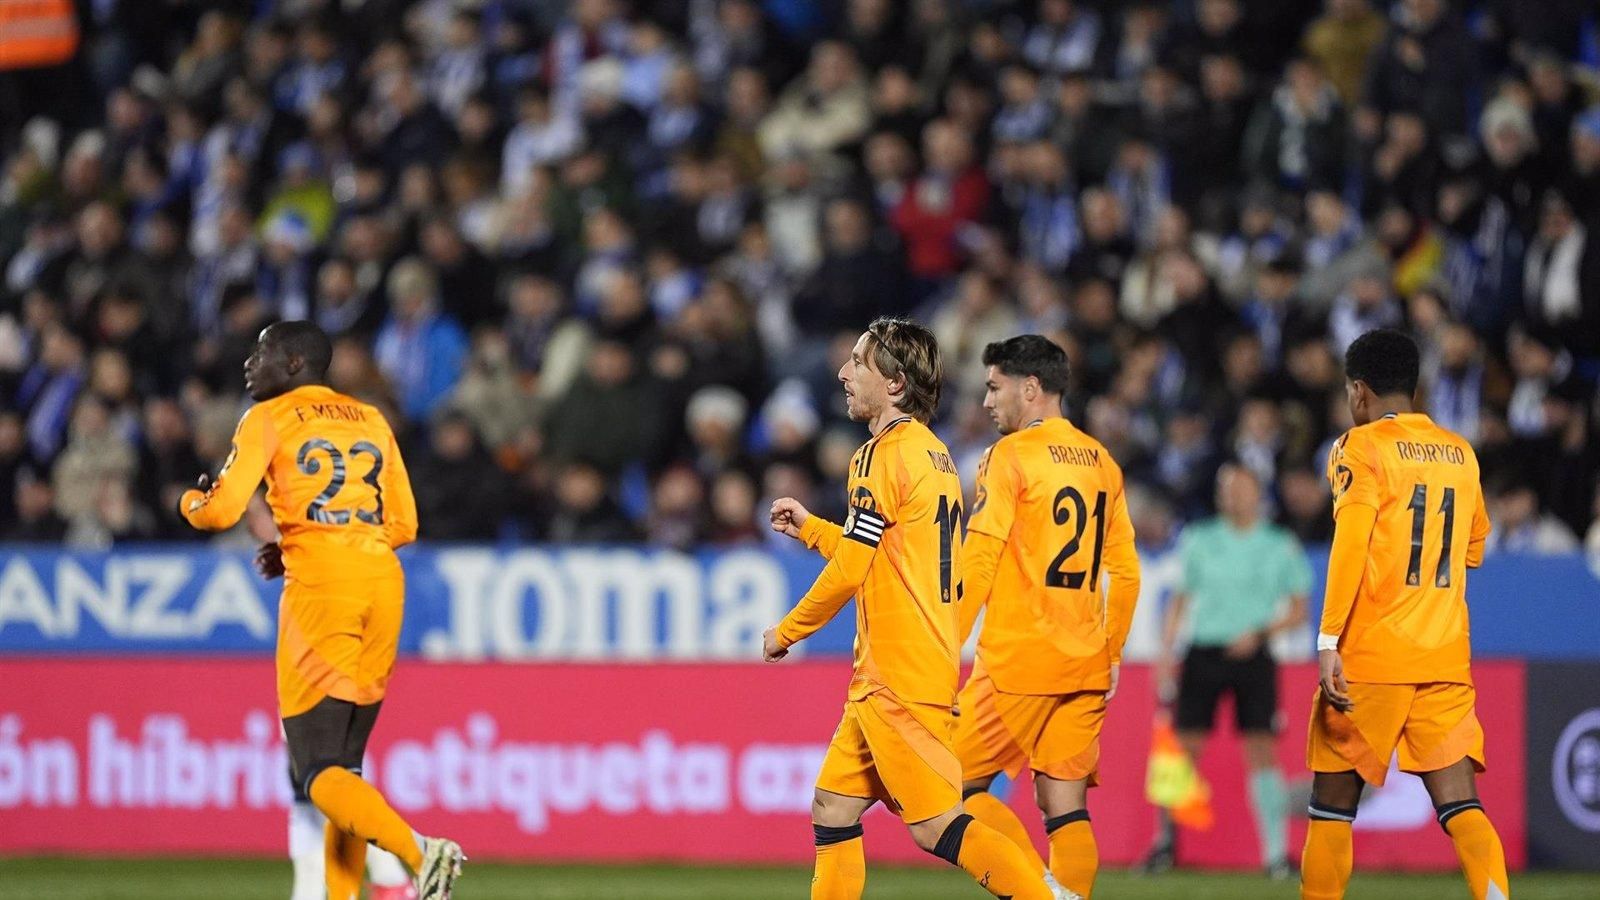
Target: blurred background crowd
{"x":600,"y":261}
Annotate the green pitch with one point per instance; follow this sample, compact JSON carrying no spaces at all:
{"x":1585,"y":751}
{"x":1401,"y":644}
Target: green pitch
{"x":59,"y":879}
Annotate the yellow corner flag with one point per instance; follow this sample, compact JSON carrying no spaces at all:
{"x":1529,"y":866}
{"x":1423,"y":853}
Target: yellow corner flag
{"x":1172,"y":780}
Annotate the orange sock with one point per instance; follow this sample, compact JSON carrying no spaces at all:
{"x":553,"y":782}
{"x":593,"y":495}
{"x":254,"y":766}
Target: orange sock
{"x":992,"y":859}
{"x":356,"y":807}
{"x":988,"y":809}
{"x":1074,"y":856}
{"x":841,"y":872}
{"x":1483,"y":860}
{"x":1325,"y":863}
{"x":345,"y":858}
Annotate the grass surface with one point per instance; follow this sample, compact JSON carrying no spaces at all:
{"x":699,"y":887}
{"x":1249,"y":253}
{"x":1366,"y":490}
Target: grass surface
{"x":73,"y":879}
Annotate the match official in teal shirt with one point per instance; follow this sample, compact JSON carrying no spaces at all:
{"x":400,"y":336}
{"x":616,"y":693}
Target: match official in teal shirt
{"x":1244,"y":580}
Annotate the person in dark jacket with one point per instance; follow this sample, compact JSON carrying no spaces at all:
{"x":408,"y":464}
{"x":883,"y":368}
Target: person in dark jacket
{"x":460,"y":490}
{"x":857,"y":279}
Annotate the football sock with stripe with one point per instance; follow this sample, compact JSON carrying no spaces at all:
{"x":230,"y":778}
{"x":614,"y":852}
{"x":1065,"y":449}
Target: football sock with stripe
{"x":993,"y":812}
{"x":841,"y":872}
{"x":1327,"y":858}
{"x":1483,"y":859}
{"x":345,"y":861}
{"x":1269,"y":800}
{"x":356,"y":807}
{"x":1074,"y":855}
{"x":992,"y":859}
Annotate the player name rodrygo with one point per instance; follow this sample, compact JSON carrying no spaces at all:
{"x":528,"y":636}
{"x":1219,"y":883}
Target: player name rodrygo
{"x":1422,"y":451}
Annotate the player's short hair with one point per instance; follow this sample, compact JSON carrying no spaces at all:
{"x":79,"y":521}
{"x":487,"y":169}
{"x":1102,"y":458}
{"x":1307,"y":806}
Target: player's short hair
{"x":307,"y":341}
{"x":901,"y":347}
{"x":1387,"y":360}
{"x":1031,"y":355}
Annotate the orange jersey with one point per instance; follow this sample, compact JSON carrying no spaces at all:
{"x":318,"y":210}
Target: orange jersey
{"x":1054,"y":496}
{"x":899,"y":554}
{"x":1408,"y":621}
{"x":335,"y":481}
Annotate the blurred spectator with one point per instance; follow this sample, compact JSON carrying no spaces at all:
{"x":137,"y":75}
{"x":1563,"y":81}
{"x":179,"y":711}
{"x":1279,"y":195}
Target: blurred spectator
{"x":341,"y":307}
{"x":585,"y":513}
{"x":1066,"y":37}
{"x":1520,"y":525}
{"x":496,"y":399}
{"x":1561,"y":279}
{"x":1425,"y":65}
{"x":95,"y":458}
{"x":976,"y":318}
{"x":1457,"y":386}
{"x":1368,"y":303}
{"x":856,"y":280}
{"x":716,"y":419}
{"x":610,"y":416}
{"x":540,"y":138}
{"x":167,"y":465}
{"x":1298,"y":138}
{"x":733,"y":509}
{"x":421,"y":350}
{"x":1342,"y":41}
{"x":940,"y":204}
{"x":823,"y":111}
{"x":1048,"y":226}
{"x":1305,"y":505}
{"x":677,"y":510}
{"x":37,"y":520}
{"x":460,"y":492}
{"x":48,"y":389}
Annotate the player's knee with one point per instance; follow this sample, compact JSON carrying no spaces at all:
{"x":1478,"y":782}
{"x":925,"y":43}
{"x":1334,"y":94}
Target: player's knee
{"x":942,"y":836}
{"x":826,"y":810}
{"x":1334,"y":796}
{"x":1452,"y":784}
{"x":313,"y":771}
{"x":1056,"y":796}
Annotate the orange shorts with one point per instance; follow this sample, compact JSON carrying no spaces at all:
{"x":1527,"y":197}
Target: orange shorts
{"x":337,"y":639}
{"x":1055,"y":734}
{"x":900,"y":753}
{"x":1432,"y":725}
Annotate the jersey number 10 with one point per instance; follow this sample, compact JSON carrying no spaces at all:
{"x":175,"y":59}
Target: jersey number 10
{"x":1069,"y":506}
{"x":317,"y":510}
{"x":949,"y":520}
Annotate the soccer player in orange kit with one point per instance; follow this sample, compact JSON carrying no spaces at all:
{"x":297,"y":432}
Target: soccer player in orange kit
{"x":1393,"y":647}
{"x":342,"y":502}
{"x":1049,"y":517}
{"x":898,"y":554}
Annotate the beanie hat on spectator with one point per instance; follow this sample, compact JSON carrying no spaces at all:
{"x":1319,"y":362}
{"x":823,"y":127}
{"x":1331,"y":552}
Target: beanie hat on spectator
{"x":790,"y":404}
{"x":717,"y":404}
{"x":1506,"y":113}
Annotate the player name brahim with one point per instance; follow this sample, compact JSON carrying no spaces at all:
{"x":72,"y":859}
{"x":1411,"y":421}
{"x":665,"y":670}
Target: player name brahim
{"x":1074,"y":456}
{"x":342,"y":412}
{"x":1422,"y":451}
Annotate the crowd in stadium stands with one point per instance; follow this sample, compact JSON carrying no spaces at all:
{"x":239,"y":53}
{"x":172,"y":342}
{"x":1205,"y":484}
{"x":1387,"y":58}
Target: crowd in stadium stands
{"x":600,"y":260}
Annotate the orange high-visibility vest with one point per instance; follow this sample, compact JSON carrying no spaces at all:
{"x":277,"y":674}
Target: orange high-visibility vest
{"x":35,"y":33}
